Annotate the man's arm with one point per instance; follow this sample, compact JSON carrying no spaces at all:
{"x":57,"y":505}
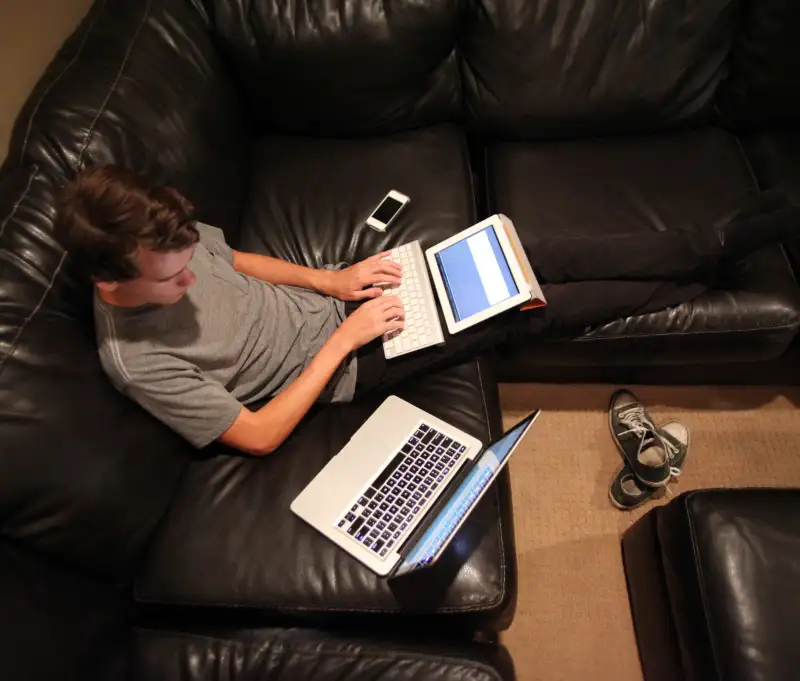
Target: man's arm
{"x":262,"y":432}
{"x":356,"y":282}
{"x":280,"y":272}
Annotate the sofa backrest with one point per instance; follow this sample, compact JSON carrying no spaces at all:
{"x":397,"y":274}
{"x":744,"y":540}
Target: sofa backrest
{"x":763,"y":85}
{"x":85,"y":475}
{"x":559,"y":68}
{"x":349,"y":68}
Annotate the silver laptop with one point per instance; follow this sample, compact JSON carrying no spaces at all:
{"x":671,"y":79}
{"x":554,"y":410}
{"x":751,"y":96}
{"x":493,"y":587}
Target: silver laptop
{"x":475,"y":274}
{"x":398,"y":492}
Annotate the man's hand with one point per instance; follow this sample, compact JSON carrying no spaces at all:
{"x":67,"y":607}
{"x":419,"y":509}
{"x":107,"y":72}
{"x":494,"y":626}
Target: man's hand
{"x":350,"y":283}
{"x":374,"y":318}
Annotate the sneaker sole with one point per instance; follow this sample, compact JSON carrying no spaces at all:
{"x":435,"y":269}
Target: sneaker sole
{"x":620,"y":507}
{"x":654,"y":485}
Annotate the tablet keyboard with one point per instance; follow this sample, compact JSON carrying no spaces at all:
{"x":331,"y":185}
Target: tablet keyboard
{"x":422,"y":326}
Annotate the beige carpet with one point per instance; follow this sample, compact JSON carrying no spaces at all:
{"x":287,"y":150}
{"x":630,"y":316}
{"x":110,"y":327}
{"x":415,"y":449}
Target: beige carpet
{"x":573,"y":620}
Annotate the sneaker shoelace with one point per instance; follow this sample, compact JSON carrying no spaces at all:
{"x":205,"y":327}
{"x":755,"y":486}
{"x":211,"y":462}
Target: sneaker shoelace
{"x":674,"y":471}
{"x":638,"y":424}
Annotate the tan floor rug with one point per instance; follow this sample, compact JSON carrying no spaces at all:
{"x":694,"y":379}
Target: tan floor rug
{"x":573,"y":620}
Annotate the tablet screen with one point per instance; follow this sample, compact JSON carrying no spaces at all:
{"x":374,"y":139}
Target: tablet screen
{"x":476,"y":274}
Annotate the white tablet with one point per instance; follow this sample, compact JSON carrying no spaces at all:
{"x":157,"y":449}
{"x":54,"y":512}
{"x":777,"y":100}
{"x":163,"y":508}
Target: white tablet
{"x":477,"y":274}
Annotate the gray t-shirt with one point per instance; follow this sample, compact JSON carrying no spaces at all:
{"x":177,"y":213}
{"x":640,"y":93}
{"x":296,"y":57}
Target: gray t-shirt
{"x":231,"y":340}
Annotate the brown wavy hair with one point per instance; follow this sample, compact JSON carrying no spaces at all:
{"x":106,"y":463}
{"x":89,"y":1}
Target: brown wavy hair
{"x":108,"y":212}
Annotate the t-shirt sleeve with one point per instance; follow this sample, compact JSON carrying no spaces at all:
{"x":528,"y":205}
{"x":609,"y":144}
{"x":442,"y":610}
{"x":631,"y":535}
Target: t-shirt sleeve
{"x":181,"y":396}
{"x":213,"y":238}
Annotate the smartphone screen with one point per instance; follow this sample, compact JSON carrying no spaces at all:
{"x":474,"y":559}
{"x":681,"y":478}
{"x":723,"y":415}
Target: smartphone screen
{"x":387,"y":210}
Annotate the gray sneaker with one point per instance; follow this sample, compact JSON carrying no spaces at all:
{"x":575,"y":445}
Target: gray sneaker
{"x":638,"y":440}
{"x":626,"y":492}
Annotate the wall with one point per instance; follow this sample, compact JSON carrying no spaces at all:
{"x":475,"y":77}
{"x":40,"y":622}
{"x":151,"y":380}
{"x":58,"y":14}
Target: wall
{"x":31,"y":31}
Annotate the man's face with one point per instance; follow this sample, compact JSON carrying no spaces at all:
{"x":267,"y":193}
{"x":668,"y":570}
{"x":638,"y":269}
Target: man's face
{"x":164,"y":278}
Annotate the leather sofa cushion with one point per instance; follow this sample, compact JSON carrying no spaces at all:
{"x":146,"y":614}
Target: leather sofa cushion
{"x":309,"y":198}
{"x":362,"y":68}
{"x":639,"y":184}
{"x":763,"y":84}
{"x":293,"y":654}
{"x":557,"y":68}
{"x":732,"y":564}
{"x":230,"y":540}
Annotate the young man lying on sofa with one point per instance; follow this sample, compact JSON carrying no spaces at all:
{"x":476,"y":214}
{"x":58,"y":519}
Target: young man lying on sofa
{"x":197,"y":333}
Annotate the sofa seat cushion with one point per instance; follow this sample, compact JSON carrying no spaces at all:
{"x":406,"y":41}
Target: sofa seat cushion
{"x":713,"y":579}
{"x":231,"y":541}
{"x":309,"y":198}
{"x":292,"y":654}
{"x":607,"y":186}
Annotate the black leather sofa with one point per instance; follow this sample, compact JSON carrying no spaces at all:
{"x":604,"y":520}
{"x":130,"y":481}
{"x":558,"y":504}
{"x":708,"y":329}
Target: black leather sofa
{"x":285,"y":123}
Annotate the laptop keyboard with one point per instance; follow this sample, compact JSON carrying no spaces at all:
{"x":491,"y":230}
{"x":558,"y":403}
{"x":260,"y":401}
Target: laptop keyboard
{"x":387,"y":509}
{"x":422,"y":326}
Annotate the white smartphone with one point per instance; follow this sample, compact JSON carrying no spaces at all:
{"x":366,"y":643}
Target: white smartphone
{"x":387,"y":210}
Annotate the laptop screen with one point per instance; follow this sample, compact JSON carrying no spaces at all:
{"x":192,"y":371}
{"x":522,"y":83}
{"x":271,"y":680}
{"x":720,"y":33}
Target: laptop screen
{"x":476,"y":274}
{"x":462,"y":501}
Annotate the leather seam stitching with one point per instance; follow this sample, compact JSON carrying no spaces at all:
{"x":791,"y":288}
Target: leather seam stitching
{"x":115,"y":82}
{"x":28,"y":319}
{"x":47,"y":90}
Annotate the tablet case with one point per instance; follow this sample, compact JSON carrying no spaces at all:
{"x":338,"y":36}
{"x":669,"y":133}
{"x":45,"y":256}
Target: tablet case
{"x":537,"y":297}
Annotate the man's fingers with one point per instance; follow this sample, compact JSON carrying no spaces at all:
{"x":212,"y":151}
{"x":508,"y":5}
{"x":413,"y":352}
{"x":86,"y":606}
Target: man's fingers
{"x":379,"y":302}
{"x":389,"y":271}
{"x":390,"y":301}
{"x":379,"y":256}
{"x":387,"y":268}
{"x":373,"y":292}
{"x":384,"y":265}
{"x":384,"y":279}
{"x":394,"y":312}
{"x":396,"y":325}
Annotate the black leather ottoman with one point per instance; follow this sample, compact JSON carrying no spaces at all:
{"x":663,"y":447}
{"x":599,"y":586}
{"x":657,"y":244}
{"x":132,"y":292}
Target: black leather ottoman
{"x":713,"y":583}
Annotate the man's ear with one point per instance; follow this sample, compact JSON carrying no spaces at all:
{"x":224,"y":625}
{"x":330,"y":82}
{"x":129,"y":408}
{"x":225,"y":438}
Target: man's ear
{"x":107,"y":286}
